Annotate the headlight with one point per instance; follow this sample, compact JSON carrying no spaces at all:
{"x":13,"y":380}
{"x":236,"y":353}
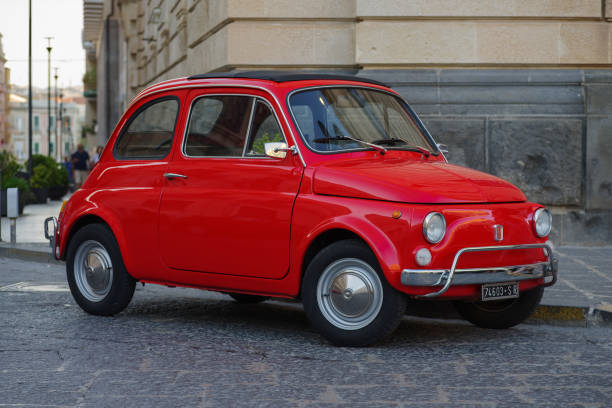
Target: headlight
{"x":542,"y":221}
{"x":434,"y":227}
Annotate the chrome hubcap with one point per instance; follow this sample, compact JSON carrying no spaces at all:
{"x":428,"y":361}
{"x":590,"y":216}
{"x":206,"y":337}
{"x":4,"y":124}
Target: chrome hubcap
{"x":93,"y":271}
{"x":349,"y":294}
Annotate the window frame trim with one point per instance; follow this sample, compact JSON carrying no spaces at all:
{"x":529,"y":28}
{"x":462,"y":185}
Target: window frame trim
{"x":254,"y":99}
{"x":134,"y":115}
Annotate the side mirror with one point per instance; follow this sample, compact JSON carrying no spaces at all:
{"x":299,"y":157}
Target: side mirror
{"x":278,"y":149}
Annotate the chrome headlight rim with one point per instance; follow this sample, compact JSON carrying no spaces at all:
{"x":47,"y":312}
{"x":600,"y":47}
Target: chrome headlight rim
{"x":540,"y":212}
{"x":426,"y":224}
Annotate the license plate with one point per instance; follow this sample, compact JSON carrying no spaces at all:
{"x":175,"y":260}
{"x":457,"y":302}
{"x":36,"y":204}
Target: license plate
{"x":497,"y":291}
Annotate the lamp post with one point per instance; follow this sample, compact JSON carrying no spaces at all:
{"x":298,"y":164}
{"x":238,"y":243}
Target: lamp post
{"x":30,"y":91}
{"x":49,"y":96}
{"x":57,"y":141}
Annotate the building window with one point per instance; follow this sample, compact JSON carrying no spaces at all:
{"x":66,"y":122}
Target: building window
{"x":51,"y":122}
{"x":36,"y":123}
{"x":36,"y":147}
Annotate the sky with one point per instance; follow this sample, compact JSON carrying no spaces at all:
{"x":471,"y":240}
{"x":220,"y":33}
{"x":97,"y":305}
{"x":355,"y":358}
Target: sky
{"x":62,"y":19}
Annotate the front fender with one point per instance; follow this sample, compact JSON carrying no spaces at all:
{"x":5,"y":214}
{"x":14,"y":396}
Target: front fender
{"x":369,"y":220}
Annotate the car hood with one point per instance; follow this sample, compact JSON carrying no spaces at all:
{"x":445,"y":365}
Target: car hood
{"x":411,"y":181}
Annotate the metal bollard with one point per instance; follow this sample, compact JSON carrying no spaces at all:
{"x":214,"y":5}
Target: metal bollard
{"x":12,"y":211}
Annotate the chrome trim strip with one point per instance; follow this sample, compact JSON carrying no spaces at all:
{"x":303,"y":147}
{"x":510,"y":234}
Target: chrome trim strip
{"x":450,"y":273}
{"x":248,"y":132}
{"x":170,"y":88}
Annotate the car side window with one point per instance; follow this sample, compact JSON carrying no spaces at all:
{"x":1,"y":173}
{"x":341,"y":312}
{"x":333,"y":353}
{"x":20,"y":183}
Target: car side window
{"x":264,"y":129}
{"x":218,"y":125}
{"x":149,"y":132}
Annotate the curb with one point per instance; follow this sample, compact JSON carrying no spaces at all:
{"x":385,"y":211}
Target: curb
{"x":25,"y":254}
{"x":593,"y":316}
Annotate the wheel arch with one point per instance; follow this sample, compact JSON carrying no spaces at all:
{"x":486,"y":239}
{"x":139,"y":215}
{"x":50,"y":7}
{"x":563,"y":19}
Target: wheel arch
{"x":368,"y":234}
{"x":88,"y":219}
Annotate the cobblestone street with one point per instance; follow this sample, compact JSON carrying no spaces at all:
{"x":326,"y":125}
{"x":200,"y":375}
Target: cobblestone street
{"x":183,"y":347}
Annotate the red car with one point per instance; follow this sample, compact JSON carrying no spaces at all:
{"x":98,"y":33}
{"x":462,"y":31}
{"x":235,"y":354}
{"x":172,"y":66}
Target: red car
{"x":324,"y":188}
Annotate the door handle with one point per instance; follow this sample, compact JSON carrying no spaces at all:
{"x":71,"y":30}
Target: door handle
{"x":174,"y":175}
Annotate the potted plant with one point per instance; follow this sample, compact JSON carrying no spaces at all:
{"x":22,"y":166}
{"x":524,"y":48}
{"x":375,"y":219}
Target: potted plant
{"x":59,"y":182}
{"x":9,"y":167}
{"x":40,"y":182}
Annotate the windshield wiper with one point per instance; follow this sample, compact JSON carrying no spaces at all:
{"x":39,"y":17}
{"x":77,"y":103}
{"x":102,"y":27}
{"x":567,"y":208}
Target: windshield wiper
{"x":376,"y":147}
{"x":393,"y":141}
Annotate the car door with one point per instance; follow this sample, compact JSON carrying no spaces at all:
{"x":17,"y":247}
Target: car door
{"x":226,"y":206}
{"x":129,"y":185}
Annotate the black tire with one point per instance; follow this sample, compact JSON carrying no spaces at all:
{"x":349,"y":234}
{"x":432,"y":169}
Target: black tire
{"x":243,"y":298}
{"x":380,"y":322}
{"x":501,"y":314}
{"x":119,"y":287}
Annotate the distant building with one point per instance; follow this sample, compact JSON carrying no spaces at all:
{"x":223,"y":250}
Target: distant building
{"x":4,"y":101}
{"x":68,"y":129}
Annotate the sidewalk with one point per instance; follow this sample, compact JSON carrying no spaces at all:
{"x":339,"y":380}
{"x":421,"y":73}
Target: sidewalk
{"x":582,"y":294}
{"x":30,"y":223}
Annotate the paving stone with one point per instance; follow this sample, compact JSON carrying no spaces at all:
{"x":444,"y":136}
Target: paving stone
{"x":182,"y":347}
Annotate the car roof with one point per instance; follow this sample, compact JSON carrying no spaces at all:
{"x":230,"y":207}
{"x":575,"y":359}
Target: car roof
{"x":285,"y":76}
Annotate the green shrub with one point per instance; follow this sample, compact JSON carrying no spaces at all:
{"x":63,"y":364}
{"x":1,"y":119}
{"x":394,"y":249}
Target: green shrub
{"x":57,"y":175}
{"x":41,"y":177}
{"x":9,"y":167}
{"x":15,"y":182}
{"x":60,"y":176}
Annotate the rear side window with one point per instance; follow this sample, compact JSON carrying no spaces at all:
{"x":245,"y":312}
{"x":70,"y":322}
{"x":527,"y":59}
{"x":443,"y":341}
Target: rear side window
{"x":149,"y":132}
{"x":218,"y":125}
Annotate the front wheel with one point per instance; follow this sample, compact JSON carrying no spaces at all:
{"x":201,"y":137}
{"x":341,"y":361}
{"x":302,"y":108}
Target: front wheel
{"x":96,"y":275}
{"x":347,"y":298}
{"x":501,"y":314}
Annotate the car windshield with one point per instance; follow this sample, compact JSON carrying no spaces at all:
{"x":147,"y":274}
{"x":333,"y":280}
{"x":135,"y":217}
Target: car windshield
{"x":335,"y":119}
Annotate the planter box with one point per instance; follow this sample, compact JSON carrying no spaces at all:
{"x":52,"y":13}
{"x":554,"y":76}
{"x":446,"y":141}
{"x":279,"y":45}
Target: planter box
{"x":40,"y":195}
{"x":57,"y":192}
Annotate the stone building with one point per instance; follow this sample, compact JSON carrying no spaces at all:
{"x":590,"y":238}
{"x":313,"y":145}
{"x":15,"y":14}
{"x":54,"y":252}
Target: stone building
{"x":518,"y":88}
{"x":4,"y":101}
{"x":68,"y":130}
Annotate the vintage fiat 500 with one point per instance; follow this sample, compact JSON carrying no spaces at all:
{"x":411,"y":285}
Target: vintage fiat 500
{"x":323,"y":188}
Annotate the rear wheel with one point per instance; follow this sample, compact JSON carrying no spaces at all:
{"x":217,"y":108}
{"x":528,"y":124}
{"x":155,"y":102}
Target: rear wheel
{"x":501,"y":314}
{"x":347,"y":298}
{"x":96,"y":275}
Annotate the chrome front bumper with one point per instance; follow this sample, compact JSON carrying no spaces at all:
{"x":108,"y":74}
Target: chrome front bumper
{"x":453,"y":276}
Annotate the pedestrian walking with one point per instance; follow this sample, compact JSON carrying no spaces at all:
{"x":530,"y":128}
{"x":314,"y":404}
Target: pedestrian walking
{"x":68,"y":165}
{"x":96,"y":157}
{"x":80,"y":165}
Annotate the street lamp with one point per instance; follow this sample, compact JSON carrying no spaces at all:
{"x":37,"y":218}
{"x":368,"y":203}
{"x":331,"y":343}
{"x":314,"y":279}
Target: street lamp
{"x":30,"y":90}
{"x":49,"y":95}
{"x":57,"y":141}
